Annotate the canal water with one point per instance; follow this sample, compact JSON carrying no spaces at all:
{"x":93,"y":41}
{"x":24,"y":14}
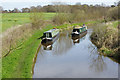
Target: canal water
{"x":68,"y":58}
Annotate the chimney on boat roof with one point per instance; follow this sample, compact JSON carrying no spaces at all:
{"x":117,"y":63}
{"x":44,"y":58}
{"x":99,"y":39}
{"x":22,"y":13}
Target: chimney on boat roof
{"x":54,"y":28}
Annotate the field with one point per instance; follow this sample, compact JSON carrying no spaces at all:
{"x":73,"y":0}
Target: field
{"x":12,"y":19}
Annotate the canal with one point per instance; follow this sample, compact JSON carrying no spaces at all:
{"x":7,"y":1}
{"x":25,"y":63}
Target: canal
{"x":68,"y":58}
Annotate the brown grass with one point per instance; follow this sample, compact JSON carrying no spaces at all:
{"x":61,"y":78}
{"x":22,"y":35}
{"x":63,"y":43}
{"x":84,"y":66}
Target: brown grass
{"x":14,"y":38}
{"x":106,"y":37}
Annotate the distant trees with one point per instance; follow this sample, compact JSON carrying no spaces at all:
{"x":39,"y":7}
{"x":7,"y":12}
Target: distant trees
{"x":76,"y":12}
{"x":112,"y":5}
{"x":10,"y":11}
{"x":25,"y":10}
{"x":118,"y":3}
{"x":16,"y":10}
{"x":48,"y":8}
{"x":33,"y":9}
{"x":39,"y":8}
{"x":78,"y":3}
{"x":63,"y":13}
{"x":55,"y":7}
{"x":113,"y":13}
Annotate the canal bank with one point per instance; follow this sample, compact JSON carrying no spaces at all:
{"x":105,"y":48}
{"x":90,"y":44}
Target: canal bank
{"x":105,"y":37}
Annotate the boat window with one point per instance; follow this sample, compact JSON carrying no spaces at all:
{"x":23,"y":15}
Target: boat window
{"x":49,"y":35}
{"x":74,"y":30}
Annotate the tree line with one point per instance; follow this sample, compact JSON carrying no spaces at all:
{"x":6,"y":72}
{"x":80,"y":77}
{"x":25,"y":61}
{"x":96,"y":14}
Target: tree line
{"x":56,"y":6}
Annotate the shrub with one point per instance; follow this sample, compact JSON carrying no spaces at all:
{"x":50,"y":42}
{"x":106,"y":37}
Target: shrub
{"x":61,"y":18}
{"x":105,"y":36}
{"x":36,"y":20}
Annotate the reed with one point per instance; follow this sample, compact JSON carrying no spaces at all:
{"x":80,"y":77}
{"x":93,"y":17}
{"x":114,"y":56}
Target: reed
{"x":105,"y":37}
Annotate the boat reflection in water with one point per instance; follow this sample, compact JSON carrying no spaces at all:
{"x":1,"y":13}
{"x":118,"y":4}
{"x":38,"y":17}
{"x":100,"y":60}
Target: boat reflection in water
{"x":78,"y":38}
{"x":49,"y":37}
{"x":47,"y":45}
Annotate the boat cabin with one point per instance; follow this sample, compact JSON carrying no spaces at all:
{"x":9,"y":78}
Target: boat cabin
{"x":78,"y":30}
{"x":49,"y":35}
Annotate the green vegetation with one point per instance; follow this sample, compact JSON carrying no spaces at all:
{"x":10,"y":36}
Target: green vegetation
{"x":115,"y":24}
{"x":12,"y":19}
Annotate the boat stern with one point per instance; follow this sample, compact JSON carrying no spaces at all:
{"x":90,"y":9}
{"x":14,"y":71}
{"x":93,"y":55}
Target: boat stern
{"x":46,"y":39}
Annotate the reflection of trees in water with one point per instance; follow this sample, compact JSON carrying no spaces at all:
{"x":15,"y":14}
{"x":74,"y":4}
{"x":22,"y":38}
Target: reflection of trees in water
{"x":96,"y":61}
{"x":80,"y":39}
{"x":98,"y":64}
{"x":63,"y":44}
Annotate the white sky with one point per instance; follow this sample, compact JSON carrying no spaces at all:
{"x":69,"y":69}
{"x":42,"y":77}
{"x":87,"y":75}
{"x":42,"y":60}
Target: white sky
{"x":11,"y":4}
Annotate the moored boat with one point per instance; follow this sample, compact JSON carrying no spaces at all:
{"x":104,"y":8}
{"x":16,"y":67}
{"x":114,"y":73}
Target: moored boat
{"x":77,"y":30}
{"x":50,"y":35}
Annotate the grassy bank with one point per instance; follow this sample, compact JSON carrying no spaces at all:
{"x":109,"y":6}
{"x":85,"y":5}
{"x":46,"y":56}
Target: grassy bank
{"x":12,"y":19}
{"x":18,"y":64}
{"x":105,"y":37}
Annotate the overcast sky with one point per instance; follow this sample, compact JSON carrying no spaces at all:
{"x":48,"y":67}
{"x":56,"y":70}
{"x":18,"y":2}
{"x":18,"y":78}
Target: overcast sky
{"x":11,"y":4}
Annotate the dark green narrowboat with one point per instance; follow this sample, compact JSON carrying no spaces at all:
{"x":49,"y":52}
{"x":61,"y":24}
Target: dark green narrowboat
{"x":77,"y":30}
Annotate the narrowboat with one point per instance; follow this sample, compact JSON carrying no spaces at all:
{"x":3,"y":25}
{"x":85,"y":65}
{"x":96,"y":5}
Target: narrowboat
{"x":77,"y":30}
{"x":50,"y":35}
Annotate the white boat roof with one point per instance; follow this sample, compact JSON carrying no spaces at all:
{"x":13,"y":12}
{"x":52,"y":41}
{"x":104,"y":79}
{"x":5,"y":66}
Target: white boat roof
{"x":77,"y":27}
{"x":50,"y":30}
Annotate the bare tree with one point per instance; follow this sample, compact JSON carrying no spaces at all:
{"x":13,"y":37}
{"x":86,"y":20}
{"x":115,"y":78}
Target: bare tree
{"x":78,"y":3}
{"x":59,"y":6}
{"x":39,"y":8}
{"x":16,"y":10}
{"x":25,"y":10}
{"x":33,"y":9}
{"x":118,"y":3}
